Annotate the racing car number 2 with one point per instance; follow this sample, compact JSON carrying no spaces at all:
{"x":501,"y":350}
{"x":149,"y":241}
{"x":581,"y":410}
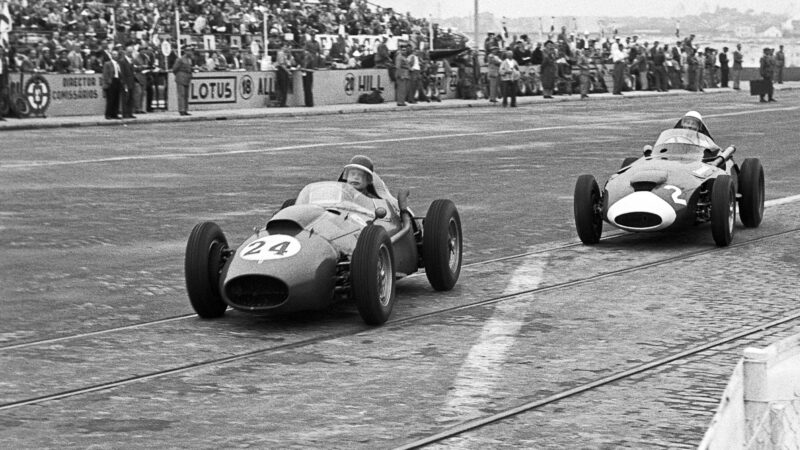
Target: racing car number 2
{"x":275,"y":246}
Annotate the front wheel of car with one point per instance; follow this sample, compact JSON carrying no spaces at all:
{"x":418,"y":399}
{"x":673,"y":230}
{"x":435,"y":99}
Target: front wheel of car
{"x":751,"y":186}
{"x":723,"y":210}
{"x":586,"y":205}
{"x":203,"y":263}
{"x":372,"y":274}
{"x":442,"y":245}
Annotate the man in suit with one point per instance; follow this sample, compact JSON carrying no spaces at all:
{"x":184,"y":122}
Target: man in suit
{"x":723,"y":67}
{"x":780,"y":63}
{"x":183,"y":79}
{"x":147,"y":62}
{"x":737,"y":66}
{"x":112,"y":86}
{"x":767,"y":71}
{"x":128,"y":83}
{"x":308,"y":67}
{"x":402,"y":76}
{"x":140,"y":72}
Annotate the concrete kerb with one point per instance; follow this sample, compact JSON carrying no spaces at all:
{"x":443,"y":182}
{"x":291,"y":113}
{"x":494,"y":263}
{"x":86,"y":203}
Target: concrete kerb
{"x":300,"y":112}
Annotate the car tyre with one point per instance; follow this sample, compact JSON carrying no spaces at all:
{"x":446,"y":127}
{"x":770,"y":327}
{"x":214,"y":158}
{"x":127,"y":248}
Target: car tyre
{"x":751,"y":186}
{"x":586,"y":204}
{"x":723,"y":210}
{"x":204,"y":260}
{"x":628,"y":161}
{"x":372,"y":275}
{"x":442,"y":245}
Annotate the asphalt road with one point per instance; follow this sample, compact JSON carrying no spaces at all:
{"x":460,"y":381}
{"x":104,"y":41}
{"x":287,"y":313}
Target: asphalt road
{"x":95,"y":222}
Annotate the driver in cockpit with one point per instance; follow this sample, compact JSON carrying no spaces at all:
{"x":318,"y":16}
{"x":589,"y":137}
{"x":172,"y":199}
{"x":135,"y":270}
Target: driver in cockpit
{"x":692,"y":120}
{"x":359,"y":174}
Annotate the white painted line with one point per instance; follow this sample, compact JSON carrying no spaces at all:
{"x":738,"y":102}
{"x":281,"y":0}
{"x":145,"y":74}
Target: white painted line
{"x":482,"y":368}
{"x":781,"y":201}
{"x":24,"y":165}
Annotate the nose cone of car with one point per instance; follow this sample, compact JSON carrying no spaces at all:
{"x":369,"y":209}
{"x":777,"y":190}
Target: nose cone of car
{"x":281,"y":272}
{"x":641,"y":211}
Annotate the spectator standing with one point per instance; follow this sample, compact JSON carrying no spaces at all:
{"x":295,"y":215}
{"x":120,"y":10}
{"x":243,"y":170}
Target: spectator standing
{"x":140,"y":77}
{"x":723,"y":67}
{"x":780,"y":63}
{"x":128,"y":83}
{"x":548,"y":69}
{"x":582,"y":63}
{"x":183,"y":78}
{"x":737,"y":66}
{"x":402,"y":75}
{"x":448,"y":72}
{"x":493,"y":64}
{"x":767,"y":71}
{"x":618,"y":58}
{"x":509,"y":74}
{"x":283,"y":64}
{"x":659,"y":69}
{"x":112,"y":86}
{"x":308,"y":67}
{"x":413,"y":70}
{"x":148,"y":61}
{"x":700,"y":74}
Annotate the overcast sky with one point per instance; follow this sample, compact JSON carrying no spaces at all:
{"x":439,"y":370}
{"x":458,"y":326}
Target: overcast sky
{"x":612,"y":8}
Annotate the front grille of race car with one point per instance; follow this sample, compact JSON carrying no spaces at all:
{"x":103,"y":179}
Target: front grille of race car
{"x":638,"y":220}
{"x":256,"y":291}
{"x":643,"y":185}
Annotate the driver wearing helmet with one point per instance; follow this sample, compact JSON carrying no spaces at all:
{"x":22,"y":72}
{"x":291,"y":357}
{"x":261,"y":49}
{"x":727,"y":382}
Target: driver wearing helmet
{"x":692,"y":120}
{"x":359,"y":174}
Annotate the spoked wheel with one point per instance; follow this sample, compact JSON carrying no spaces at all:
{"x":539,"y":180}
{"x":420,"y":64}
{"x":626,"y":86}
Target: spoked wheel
{"x":587,"y":204}
{"x":442,"y":245}
{"x":204,"y":260}
{"x":372,"y":275}
{"x":723,"y":210}
{"x":751,"y":186}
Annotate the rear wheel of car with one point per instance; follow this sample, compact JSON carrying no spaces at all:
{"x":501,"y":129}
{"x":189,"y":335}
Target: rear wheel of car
{"x":442,"y":245}
{"x":723,"y":210}
{"x":204,"y":259}
{"x":586,"y":204}
{"x":751,"y":186}
{"x":628,"y":161}
{"x":372,"y":275}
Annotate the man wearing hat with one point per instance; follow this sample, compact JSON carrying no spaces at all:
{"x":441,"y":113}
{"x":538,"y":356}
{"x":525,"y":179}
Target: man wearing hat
{"x":183,"y":78}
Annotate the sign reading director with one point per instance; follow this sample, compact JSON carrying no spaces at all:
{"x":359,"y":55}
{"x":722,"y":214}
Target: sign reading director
{"x":212,"y":90}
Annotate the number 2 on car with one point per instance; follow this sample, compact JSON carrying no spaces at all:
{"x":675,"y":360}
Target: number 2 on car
{"x":270,"y":247}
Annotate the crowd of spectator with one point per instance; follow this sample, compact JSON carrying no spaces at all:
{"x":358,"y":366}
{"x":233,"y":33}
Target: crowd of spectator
{"x":566,"y":61}
{"x":66,"y":35}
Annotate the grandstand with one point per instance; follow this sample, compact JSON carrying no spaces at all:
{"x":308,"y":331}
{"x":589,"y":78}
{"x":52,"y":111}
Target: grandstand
{"x":41,"y":29}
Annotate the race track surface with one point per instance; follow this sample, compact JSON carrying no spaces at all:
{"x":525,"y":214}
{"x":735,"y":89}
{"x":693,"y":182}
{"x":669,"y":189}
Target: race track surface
{"x":99,"y":346}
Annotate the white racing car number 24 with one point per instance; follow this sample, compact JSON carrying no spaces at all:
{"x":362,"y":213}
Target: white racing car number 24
{"x":275,"y":246}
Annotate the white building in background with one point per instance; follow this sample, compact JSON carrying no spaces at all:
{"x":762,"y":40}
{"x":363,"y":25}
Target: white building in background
{"x":772,"y":32}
